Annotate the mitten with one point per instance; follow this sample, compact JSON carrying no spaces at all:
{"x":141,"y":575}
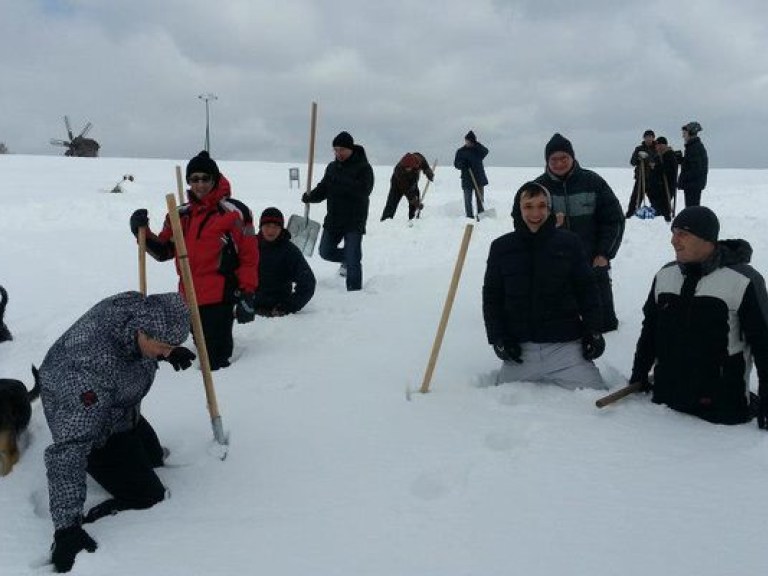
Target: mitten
{"x":245,"y":309}
{"x":592,"y":346}
{"x":67,"y":543}
{"x":139,"y":219}
{"x":305,"y":198}
{"x":180,"y":358}
{"x":509,"y":351}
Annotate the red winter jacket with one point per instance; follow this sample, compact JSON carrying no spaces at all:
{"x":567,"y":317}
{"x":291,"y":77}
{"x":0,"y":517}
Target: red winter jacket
{"x":221,"y":245}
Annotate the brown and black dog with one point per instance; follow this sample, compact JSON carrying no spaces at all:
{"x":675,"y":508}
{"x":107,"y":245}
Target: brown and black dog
{"x":5,"y":334}
{"x":15,"y":413}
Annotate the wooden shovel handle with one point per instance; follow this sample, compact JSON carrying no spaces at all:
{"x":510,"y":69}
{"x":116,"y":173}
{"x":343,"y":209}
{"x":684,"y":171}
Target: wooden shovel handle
{"x":619,"y":394}
{"x":143,"y":260}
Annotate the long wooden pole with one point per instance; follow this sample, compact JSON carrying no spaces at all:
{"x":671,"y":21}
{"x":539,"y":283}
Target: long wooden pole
{"x":311,"y":161}
{"x":426,"y":187}
{"x":480,"y":199}
{"x":179,"y":185}
{"x":197,"y":326}
{"x":447,"y":309}
{"x":143,"y":260}
{"x":618,"y":395}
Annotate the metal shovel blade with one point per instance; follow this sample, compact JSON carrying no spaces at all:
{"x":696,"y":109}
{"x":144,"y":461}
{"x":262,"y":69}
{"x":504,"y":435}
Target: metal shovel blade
{"x":487,"y":213}
{"x":304,"y":233}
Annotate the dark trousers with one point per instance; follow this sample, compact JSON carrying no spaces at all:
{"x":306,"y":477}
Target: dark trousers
{"x":124,"y":467}
{"x":692,"y":197}
{"x":470,"y":193}
{"x":351,"y":254}
{"x":217,"y":321}
{"x":604,"y":289}
{"x":393,"y":200}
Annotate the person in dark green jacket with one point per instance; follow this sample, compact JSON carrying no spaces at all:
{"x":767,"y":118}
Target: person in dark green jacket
{"x":585,"y":204}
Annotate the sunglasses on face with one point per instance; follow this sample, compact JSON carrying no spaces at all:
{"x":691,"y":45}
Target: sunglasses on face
{"x":205,"y":178}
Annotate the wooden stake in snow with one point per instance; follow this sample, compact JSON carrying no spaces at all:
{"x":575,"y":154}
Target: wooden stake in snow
{"x":179,"y":185}
{"x":197,"y":326}
{"x":447,"y":309}
{"x":143,"y":260}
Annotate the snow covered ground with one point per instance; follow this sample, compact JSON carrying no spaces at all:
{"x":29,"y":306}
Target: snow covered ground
{"x":331,"y":471}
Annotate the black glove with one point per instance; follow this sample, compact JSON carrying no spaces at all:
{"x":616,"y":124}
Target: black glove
{"x":180,"y":358}
{"x":508,"y":351}
{"x":139,"y":219}
{"x":107,"y":508}
{"x":67,"y":543}
{"x":305,"y":198}
{"x":762,"y":412}
{"x":245,"y":309}
{"x":592,"y":346}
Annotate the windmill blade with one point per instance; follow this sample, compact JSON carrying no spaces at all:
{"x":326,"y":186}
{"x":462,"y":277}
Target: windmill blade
{"x":58,"y":142}
{"x":69,"y":127}
{"x":86,"y":129}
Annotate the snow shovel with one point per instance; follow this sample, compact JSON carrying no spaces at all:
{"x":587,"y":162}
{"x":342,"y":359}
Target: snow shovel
{"x":481,"y":211}
{"x":197,"y":327}
{"x":426,"y":187}
{"x":304,"y":231}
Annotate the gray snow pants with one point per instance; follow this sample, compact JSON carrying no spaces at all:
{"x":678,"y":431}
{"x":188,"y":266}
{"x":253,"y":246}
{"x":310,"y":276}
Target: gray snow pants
{"x":559,"y":363}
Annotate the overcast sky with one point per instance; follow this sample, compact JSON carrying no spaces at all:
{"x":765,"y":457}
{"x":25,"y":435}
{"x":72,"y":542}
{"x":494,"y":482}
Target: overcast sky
{"x":399,"y":75}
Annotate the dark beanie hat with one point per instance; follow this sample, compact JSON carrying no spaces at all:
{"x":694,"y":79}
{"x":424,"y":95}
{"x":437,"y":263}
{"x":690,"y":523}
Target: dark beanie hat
{"x":558,"y":143}
{"x":699,"y":221}
{"x":649,"y":133}
{"x":471,"y":137}
{"x":272,"y":215}
{"x":661,"y":140}
{"x":204,"y":164}
{"x":344,"y":140}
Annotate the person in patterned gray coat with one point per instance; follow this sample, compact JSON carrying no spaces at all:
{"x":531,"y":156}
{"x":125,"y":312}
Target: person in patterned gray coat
{"x":92,"y":382}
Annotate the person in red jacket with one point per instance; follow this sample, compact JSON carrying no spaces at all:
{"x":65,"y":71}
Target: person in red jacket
{"x":222,"y":249}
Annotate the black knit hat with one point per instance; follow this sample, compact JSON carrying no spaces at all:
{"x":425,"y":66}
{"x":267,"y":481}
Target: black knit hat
{"x":203,"y":164}
{"x":661,"y":140}
{"x":471,"y":137}
{"x":272,"y":215}
{"x":344,"y":140}
{"x":649,"y":133}
{"x":699,"y":221}
{"x":558,"y":143}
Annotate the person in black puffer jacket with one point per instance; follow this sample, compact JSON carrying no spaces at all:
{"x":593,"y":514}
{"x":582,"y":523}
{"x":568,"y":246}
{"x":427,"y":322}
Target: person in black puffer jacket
{"x":540,"y":303}
{"x":469,"y":160}
{"x":286,"y":282}
{"x":347,"y":185}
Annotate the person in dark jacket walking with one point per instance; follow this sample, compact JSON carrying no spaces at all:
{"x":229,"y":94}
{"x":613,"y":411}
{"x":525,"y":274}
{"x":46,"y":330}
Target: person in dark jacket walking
{"x":469,"y":159}
{"x":585,"y":204}
{"x":347,"y":185}
{"x":540,"y":303}
{"x":92,"y":381}
{"x":705,"y":320}
{"x":665,"y":177}
{"x":405,"y":183}
{"x":694,"y":165}
{"x":644,"y":160}
{"x":222,"y":251}
{"x":286,"y":282}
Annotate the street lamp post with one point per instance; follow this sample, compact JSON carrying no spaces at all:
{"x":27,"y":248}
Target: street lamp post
{"x":207,"y":97}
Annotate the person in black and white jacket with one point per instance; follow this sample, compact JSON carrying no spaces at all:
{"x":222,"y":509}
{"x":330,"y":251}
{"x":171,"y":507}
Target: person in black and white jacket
{"x":92,"y":382}
{"x":705,"y":319}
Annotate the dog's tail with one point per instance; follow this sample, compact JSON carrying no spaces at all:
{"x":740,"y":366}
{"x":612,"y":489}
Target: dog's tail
{"x":34,"y":394}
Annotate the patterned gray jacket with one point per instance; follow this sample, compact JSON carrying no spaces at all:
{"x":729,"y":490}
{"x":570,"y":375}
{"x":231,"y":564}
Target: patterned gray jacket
{"x":92,"y":382}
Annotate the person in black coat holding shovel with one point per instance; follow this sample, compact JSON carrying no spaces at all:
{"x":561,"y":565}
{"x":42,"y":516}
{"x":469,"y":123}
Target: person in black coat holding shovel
{"x":286,"y":282}
{"x":540,"y":303}
{"x":469,"y":159}
{"x":347,"y":185}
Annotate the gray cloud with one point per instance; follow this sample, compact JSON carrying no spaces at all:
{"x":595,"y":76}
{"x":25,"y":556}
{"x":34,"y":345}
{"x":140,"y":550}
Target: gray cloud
{"x":399,"y":75}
